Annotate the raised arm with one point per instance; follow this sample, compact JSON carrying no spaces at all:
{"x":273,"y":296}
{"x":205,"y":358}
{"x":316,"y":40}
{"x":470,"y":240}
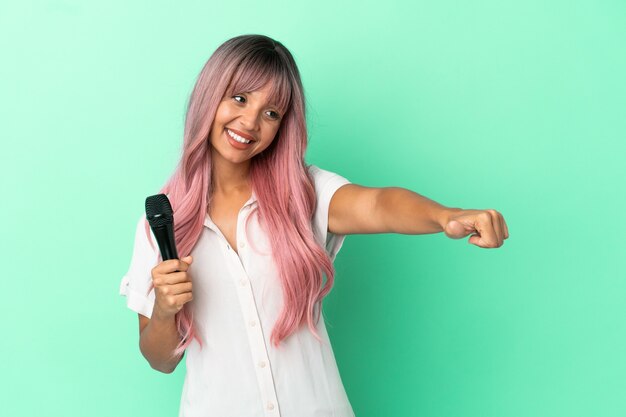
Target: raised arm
{"x":355,"y":209}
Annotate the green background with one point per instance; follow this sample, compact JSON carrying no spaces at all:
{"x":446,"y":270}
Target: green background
{"x":517,"y":106}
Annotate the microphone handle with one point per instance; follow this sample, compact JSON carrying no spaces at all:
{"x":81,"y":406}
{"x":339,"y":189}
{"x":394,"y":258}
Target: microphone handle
{"x":165,"y":238}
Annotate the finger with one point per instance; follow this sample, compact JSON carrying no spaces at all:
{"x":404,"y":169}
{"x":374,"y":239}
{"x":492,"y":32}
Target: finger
{"x":172,"y":278}
{"x":176,"y":289}
{"x":186,"y":297}
{"x":502,"y":227}
{"x":484,"y":226}
{"x":172,"y":265}
{"x":179,"y":300}
{"x":456,"y":230}
{"x":506,"y":229}
{"x":497,"y":226}
{"x":182,"y":288}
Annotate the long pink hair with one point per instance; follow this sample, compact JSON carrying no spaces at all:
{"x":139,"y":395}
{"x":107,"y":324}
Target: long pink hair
{"x":279,"y":177}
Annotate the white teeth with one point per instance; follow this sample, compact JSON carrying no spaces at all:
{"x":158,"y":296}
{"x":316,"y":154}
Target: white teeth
{"x":237,"y":137}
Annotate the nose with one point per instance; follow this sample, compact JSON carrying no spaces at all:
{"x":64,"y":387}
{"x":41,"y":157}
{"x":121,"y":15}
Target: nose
{"x":248,"y":119}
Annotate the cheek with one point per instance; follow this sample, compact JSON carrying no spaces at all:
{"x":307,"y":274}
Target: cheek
{"x":223,"y":114}
{"x":222,"y":117}
{"x":272,"y":135}
{"x":271,"y":138}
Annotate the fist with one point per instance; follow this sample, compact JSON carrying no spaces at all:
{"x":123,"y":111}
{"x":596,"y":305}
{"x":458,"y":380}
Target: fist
{"x":488,"y":228}
{"x":172,"y":286}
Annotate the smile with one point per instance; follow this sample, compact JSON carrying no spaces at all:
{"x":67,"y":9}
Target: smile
{"x":237,"y":137}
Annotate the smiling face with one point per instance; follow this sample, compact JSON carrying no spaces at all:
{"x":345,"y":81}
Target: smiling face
{"x":243,"y":116}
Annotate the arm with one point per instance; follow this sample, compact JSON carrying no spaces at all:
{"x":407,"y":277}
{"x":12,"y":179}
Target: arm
{"x":356,"y":209}
{"x":404,"y":211}
{"x":157,"y":340}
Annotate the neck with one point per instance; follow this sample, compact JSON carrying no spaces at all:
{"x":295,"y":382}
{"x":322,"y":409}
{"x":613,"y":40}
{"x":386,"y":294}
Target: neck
{"x":228,"y":178}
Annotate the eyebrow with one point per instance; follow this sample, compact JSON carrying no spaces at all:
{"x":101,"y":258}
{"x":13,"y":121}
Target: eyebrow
{"x":271,"y":104}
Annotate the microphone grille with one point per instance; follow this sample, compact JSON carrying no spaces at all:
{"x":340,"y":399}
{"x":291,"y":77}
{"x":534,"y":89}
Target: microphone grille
{"x":159,"y":210}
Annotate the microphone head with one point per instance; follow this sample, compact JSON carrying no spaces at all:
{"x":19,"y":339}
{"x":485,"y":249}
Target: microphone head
{"x":159,"y":211}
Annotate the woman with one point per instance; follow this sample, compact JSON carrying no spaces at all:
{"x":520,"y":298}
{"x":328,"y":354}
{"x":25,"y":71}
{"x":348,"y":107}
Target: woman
{"x":260,"y":230}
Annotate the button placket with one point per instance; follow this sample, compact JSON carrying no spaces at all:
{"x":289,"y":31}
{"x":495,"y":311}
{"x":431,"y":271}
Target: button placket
{"x":258,"y":349}
{"x":241,"y":238}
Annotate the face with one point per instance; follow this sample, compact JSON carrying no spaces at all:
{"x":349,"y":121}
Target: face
{"x":247,"y":116}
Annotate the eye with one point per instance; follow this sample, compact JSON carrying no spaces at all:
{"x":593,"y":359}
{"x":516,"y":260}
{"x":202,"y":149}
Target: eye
{"x":274,"y":115}
{"x":241,"y":99}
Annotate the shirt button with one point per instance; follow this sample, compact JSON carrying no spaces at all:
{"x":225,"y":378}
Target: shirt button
{"x":252,"y":323}
{"x":243,"y":245}
{"x":243,"y":282}
{"x":262,"y":364}
{"x":270,"y":406}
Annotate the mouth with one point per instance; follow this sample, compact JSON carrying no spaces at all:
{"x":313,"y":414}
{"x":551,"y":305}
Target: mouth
{"x":237,"y":141}
{"x":239,"y":136}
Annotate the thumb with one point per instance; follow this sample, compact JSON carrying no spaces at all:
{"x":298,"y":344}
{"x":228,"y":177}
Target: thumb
{"x":187,"y":259}
{"x":457,"y":230}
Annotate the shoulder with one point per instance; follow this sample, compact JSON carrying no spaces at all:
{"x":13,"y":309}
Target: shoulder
{"x":326,"y":184}
{"x":325,"y":181}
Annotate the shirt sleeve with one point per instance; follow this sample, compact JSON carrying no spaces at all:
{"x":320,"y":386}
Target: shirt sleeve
{"x":326,"y":183}
{"x":135,"y":285}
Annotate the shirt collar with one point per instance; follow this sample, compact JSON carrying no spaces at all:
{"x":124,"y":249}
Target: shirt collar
{"x":251,"y":202}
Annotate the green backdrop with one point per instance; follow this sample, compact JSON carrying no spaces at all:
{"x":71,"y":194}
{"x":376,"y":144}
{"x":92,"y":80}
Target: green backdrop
{"x":518,"y":106}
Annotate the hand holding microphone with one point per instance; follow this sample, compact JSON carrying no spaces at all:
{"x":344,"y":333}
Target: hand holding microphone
{"x":172,"y":284}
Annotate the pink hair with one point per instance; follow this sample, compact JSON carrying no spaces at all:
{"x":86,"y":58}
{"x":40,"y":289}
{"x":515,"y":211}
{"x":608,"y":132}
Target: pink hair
{"x":279,"y":177}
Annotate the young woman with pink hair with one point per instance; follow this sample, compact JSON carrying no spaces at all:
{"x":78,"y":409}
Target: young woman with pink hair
{"x":259,"y":230}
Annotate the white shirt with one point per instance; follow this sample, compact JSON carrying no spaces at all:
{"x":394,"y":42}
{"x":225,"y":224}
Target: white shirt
{"x":236,"y":301}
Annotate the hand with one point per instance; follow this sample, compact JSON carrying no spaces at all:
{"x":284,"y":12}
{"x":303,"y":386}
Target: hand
{"x":172,"y":287}
{"x":488,"y":226}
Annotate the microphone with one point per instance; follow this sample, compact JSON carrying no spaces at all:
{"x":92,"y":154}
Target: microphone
{"x":160,"y":215}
